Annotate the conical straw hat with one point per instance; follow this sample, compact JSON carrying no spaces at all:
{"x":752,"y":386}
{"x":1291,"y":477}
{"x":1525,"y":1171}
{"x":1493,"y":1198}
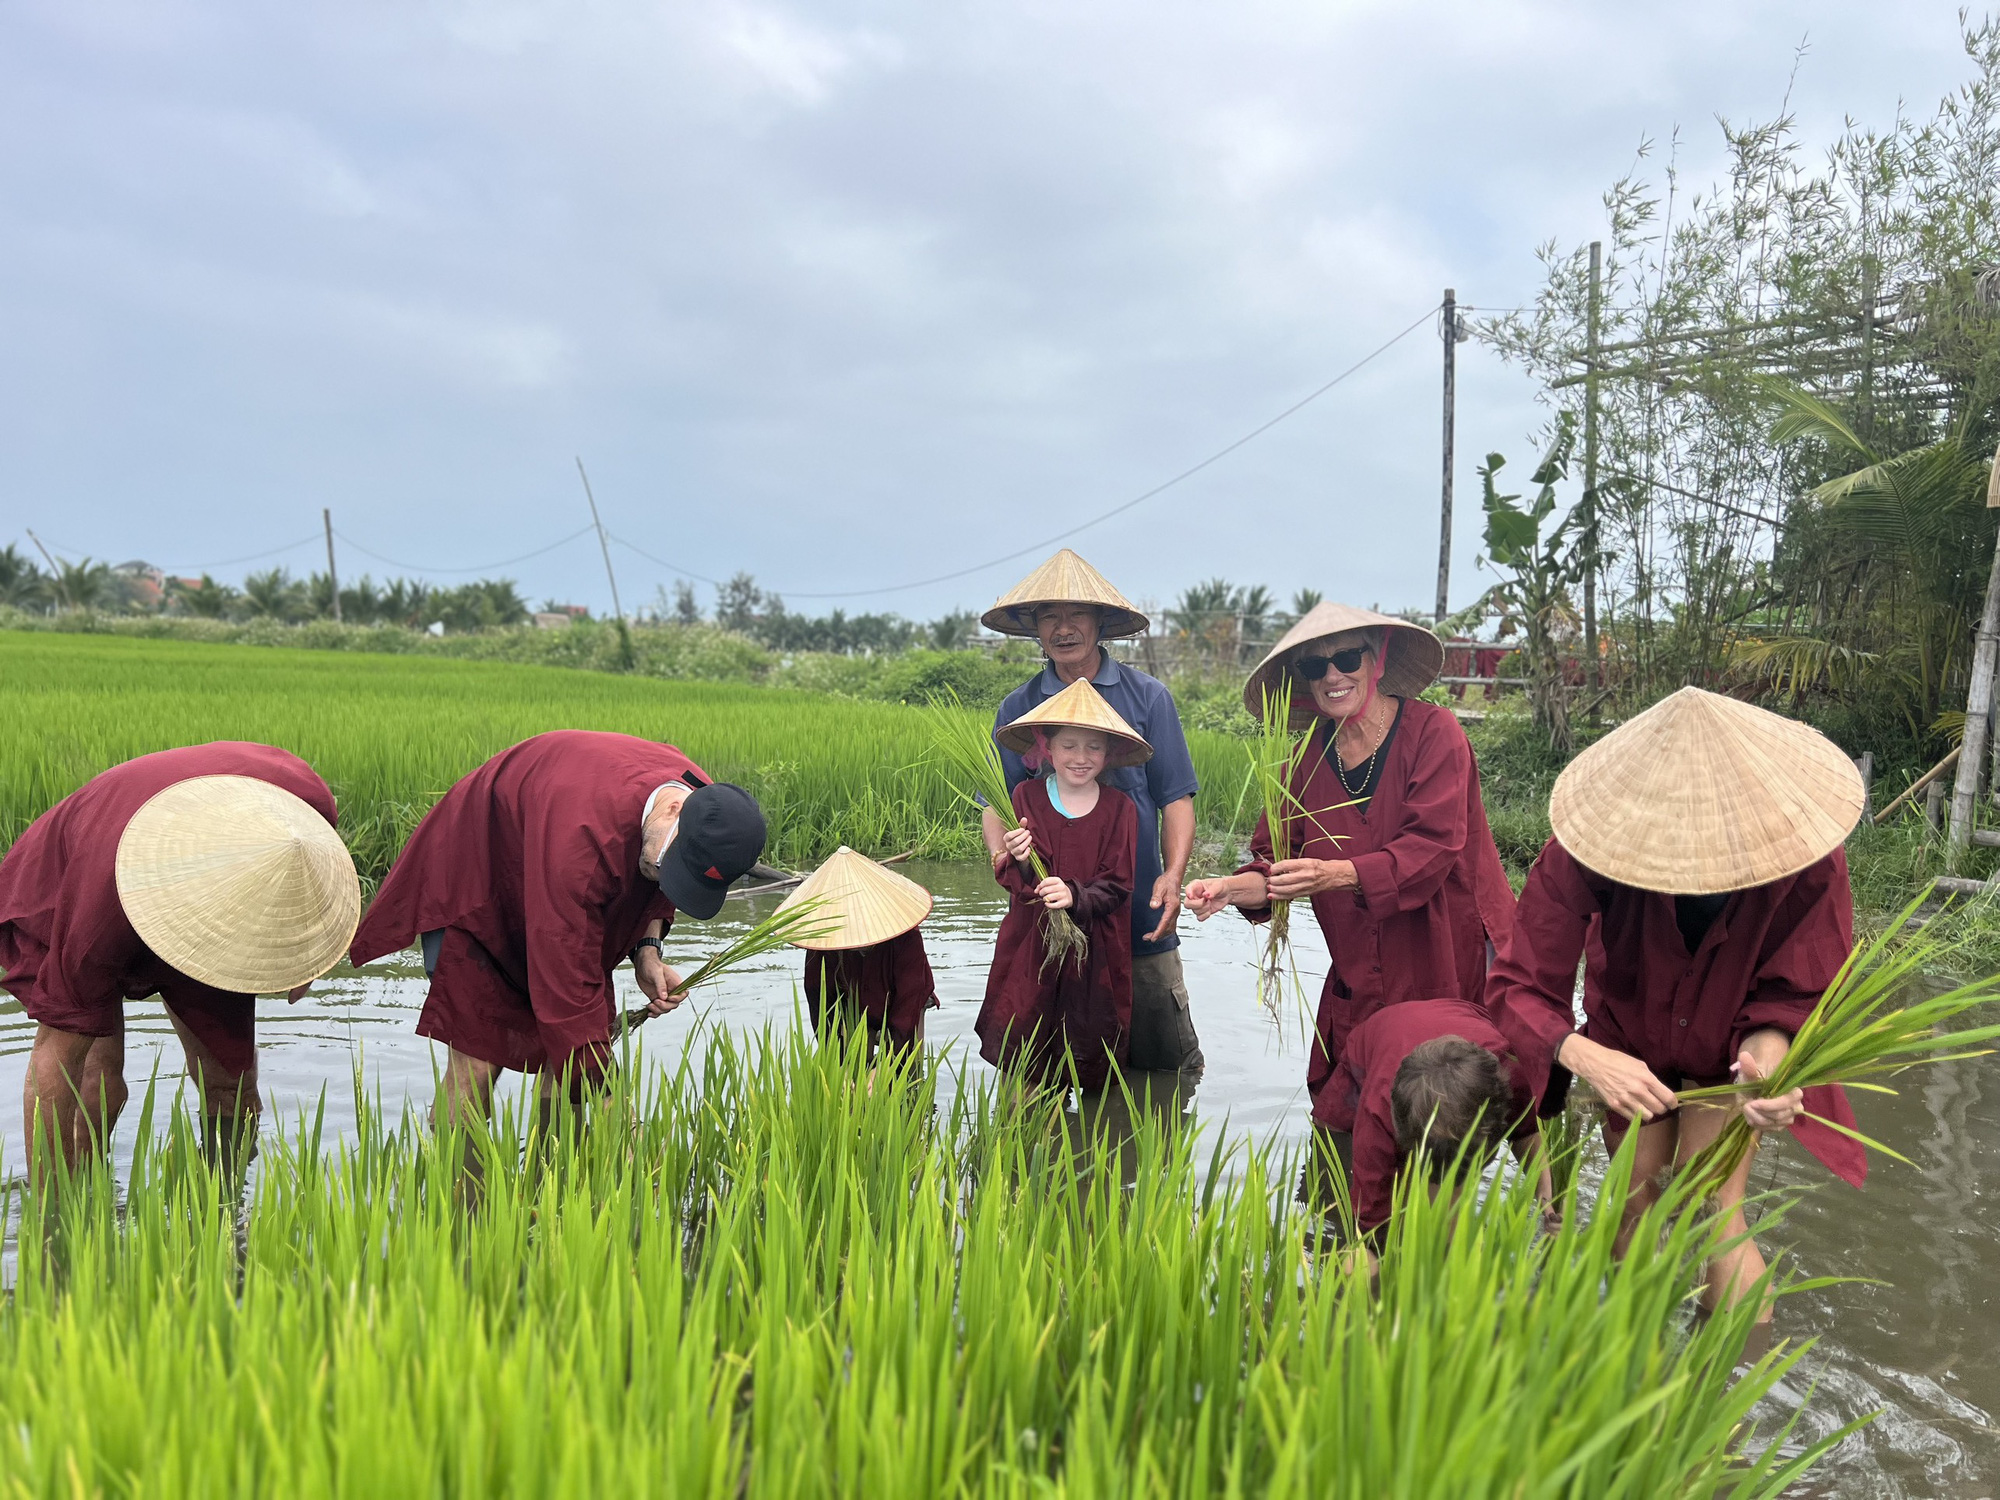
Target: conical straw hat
{"x":1064,"y":579}
{"x":1415,"y":657}
{"x":1701,"y":794}
{"x":862,"y":903}
{"x":239,"y":884}
{"x":1083,"y":706}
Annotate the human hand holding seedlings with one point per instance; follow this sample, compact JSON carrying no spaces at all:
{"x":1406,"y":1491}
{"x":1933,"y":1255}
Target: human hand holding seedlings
{"x":1626,"y":1085}
{"x":659,"y":981}
{"x":1056,"y":894}
{"x":1292,"y":878}
{"x":1762,"y":1051}
{"x":1020,"y":844}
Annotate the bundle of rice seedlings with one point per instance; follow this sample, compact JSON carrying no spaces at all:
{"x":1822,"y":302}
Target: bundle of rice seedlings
{"x":970,"y":762}
{"x":1277,"y":756}
{"x":1859,"y":1033}
{"x":780,"y":929}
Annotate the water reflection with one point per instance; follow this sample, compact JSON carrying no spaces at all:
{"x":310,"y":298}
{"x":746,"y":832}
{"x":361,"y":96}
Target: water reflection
{"x":1921,"y":1346}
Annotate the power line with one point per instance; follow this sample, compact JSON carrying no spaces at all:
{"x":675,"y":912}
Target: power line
{"x":1158,"y":489}
{"x":505,"y":562}
{"x":227,"y":562}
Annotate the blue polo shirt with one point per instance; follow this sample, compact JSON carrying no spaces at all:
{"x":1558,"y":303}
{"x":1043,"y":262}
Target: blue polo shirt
{"x":1145,"y":704}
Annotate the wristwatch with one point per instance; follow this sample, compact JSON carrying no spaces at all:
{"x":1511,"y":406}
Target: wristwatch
{"x":654,"y":943}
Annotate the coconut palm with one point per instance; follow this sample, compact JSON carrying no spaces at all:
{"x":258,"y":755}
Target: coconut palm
{"x":1918,"y":520}
{"x":83,"y":585}
{"x":22,"y":584}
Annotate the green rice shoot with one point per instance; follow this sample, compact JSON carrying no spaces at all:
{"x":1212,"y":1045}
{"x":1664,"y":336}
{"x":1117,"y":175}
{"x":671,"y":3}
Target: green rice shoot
{"x":782,"y":928}
{"x":1864,"y":1028}
{"x":1276,"y":756}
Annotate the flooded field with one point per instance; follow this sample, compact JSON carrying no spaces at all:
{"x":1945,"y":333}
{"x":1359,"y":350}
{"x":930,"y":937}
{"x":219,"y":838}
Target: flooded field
{"x":1920,"y":1346}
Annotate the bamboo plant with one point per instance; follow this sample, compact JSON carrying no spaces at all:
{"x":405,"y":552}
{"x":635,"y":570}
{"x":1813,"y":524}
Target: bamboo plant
{"x":970,"y":762}
{"x":1865,"y":1028}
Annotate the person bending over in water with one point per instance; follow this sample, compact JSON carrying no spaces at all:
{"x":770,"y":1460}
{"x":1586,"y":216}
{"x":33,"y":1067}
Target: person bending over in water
{"x":1429,"y":1085}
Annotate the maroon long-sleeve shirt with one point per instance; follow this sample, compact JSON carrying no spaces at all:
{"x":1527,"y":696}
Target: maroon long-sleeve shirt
{"x":1356,"y":1097}
{"x":1029,"y":1018}
{"x":535,"y":858}
{"x":1764,"y":961}
{"x":68,"y":951}
{"x":888,"y":982}
{"x":1431,"y":888}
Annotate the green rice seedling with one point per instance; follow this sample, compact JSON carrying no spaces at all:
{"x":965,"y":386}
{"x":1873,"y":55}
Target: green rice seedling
{"x":1277,"y":759}
{"x":754,"y":1276}
{"x":1864,"y":1028}
{"x":781,"y":928}
{"x":963,"y":746}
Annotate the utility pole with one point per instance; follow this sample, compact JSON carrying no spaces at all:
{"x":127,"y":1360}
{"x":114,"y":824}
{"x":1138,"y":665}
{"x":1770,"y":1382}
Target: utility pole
{"x":332,"y":573}
{"x":603,"y":545}
{"x":1450,"y":331}
{"x":1978,"y":703}
{"x":1590,"y":672}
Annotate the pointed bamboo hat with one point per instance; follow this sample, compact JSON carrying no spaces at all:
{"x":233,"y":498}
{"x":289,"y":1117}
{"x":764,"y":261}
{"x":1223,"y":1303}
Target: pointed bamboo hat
{"x":1082,"y":706}
{"x":238,"y":883}
{"x":1701,"y":794}
{"x":1414,"y":657}
{"x":1064,"y":579}
{"x":863,"y":903}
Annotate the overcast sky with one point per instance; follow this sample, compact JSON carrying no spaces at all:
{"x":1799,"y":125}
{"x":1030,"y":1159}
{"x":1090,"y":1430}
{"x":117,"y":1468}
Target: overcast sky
{"x":847,"y":295}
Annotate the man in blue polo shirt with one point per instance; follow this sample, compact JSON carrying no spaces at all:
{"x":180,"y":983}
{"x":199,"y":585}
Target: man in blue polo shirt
{"x":1070,"y":607}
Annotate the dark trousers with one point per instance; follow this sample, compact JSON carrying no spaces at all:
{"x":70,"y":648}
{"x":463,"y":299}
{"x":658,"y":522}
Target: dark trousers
{"x":1162,"y":1033}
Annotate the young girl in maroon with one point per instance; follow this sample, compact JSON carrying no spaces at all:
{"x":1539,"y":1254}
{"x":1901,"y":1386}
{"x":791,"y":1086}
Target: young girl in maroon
{"x":1039,"y":1019}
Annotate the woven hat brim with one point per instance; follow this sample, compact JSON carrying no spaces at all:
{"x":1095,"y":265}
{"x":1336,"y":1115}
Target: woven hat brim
{"x":1115,"y":621}
{"x":1079,"y":706}
{"x":1701,"y":794}
{"x":1415,"y":657}
{"x":239,"y":884}
{"x":862,"y":903}
{"x":1064,"y":579}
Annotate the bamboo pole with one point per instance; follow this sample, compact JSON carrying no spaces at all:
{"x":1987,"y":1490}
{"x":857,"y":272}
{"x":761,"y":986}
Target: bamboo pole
{"x":1978,"y":704}
{"x":1916,"y":786}
{"x":1590,"y":469}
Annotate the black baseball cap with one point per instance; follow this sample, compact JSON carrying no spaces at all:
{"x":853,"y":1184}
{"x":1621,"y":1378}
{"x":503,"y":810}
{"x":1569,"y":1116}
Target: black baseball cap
{"x":720,"y":836}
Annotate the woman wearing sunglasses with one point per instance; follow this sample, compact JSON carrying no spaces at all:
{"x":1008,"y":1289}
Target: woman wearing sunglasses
{"x":1390,"y":836}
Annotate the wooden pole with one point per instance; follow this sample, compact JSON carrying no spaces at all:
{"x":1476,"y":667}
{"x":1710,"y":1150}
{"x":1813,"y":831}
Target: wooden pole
{"x":1595,"y":309}
{"x":617,"y":609}
{"x":332,"y":573}
{"x":1978,"y":706}
{"x":1928,"y":779}
{"x":1450,"y":438}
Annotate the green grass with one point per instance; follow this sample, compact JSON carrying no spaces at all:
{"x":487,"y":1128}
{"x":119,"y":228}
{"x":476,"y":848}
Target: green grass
{"x":762,"y":1277}
{"x":390,"y":734}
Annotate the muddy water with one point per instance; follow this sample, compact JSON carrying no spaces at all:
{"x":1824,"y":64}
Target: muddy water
{"x":1921,"y":1347}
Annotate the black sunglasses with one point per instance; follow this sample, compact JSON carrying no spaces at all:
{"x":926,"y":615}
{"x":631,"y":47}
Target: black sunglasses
{"x":1312,"y":668}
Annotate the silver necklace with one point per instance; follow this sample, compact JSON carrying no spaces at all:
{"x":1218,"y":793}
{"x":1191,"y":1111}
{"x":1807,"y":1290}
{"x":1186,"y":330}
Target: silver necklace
{"x":1367,"y":768}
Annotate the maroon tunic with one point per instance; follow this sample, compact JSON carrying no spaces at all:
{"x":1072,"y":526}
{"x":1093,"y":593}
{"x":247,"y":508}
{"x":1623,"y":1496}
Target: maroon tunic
{"x":1029,"y":1019}
{"x":531,"y":864}
{"x":69,"y":953}
{"x":1765,"y":961}
{"x":1356,"y":1098}
{"x":889,"y":983}
{"x":1431,"y":890}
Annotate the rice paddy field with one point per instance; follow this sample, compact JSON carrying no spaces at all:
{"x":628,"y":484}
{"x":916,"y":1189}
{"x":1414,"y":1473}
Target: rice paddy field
{"x":391,"y":734}
{"x":759,"y":1273}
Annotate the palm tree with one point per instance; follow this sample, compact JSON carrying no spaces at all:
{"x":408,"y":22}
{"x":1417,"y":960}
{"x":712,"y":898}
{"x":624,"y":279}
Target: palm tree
{"x":274,"y":595}
{"x":22,"y":584}
{"x":1918,"y":519}
{"x":84,"y":585}
{"x":207,"y":600}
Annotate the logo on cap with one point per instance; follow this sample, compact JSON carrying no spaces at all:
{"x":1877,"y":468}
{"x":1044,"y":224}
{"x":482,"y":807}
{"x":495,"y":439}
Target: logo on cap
{"x":713,"y":873}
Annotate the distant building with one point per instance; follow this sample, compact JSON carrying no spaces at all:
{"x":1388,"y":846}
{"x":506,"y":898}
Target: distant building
{"x":556,"y":616}
{"x":144,"y":585}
